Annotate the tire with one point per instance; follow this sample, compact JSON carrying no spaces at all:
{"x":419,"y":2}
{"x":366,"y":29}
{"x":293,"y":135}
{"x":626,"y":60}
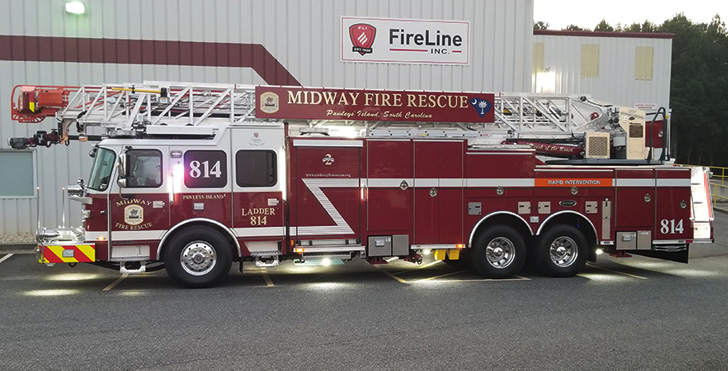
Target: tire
{"x":198,"y":257}
{"x":562,"y":251}
{"x":499,"y":252}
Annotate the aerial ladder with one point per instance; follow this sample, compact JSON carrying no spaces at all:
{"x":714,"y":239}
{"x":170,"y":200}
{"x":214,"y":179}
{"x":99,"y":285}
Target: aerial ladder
{"x":555,"y":125}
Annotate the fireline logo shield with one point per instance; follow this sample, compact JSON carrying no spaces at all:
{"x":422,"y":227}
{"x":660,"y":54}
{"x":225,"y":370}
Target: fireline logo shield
{"x":362,"y":37}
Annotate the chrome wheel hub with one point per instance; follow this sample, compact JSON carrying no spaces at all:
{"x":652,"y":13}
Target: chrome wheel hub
{"x":563,"y":251}
{"x":198,"y":258}
{"x":500,"y":252}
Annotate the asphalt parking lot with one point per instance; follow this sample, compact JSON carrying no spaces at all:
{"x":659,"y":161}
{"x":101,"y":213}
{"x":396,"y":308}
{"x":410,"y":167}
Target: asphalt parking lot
{"x":635,"y":313}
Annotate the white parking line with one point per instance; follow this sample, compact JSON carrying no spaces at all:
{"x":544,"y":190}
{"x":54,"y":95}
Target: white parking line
{"x":6,"y":257}
{"x":268,"y":281}
{"x":419,"y":267}
{"x":111,"y":286}
{"x":442,"y":275}
{"x":618,"y":272}
{"x":390,"y":274}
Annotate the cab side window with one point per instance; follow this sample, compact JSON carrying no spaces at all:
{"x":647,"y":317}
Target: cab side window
{"x":255,"y":168}
{"x":146,"y":168}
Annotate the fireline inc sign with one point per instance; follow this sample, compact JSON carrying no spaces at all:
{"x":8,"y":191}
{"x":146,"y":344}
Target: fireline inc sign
{"x":390,"y":40}
{"x":372,"y":105}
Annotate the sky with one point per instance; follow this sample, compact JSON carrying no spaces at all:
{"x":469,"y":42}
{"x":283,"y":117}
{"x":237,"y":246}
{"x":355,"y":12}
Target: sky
{"x":587,"y":14}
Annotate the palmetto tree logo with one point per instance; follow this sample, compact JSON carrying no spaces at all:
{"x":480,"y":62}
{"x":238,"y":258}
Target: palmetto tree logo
{"x":482,"y":106}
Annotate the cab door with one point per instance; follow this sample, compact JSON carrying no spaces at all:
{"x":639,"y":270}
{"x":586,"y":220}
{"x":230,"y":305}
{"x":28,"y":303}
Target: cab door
{"x":139,"y":212}
{"x":259,"y":180}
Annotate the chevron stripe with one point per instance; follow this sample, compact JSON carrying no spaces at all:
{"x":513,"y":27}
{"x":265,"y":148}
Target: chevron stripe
{"x":80,"y":254}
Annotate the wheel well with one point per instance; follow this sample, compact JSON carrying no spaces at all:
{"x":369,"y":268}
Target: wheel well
{"x":234,"y":247}
{"x":579,"y":222}
{"x":510,"y":220}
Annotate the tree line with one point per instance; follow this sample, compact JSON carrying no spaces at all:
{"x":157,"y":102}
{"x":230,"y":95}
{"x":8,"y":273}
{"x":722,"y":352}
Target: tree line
{"x":698,"y":87}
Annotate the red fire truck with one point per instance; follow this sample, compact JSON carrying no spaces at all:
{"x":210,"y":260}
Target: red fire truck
{"x":195,"y":177}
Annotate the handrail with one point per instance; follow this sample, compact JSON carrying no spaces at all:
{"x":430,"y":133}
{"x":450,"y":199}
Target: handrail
{"x":718,"y":183}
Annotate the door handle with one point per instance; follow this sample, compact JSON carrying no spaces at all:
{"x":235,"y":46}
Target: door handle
{"x":433,"y":192}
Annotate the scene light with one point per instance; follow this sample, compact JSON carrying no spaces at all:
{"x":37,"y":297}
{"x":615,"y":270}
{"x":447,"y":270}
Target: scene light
{"x":75,"y":7}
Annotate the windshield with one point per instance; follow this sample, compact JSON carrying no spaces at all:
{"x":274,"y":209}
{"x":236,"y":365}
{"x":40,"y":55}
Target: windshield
{"x":101,"y":170}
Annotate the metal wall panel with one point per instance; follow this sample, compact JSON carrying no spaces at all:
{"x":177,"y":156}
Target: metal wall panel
{"x":616,"y":81}
{"x":302,"y":35}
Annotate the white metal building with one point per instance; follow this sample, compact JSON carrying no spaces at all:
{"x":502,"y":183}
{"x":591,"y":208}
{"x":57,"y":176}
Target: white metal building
{"x":628,"y":69}
{"x":286,"y":42}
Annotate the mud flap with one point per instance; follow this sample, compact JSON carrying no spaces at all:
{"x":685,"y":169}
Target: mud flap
{"x":678,"y":256}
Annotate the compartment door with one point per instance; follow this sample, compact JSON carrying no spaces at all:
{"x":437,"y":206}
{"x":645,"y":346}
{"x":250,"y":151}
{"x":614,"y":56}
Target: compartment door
{"x":389,"y":187}
{"x":438,"y":194}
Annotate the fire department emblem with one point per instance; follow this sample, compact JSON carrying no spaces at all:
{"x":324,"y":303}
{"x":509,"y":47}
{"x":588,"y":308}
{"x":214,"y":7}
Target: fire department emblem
{"x":482,"y":106}
{"x":328,"y":160}
{"x":269,"y":102}
{"x":133,"y":215}
{"x":362,"y":37}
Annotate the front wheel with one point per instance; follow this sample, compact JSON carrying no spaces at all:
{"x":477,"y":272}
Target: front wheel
{"x":198,"y":257}
{"x":499,"y":252}
{"x":562,"y":251}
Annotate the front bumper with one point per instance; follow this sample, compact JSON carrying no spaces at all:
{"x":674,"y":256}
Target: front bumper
{"x":64,"y":246}
{"x":65,"y":253}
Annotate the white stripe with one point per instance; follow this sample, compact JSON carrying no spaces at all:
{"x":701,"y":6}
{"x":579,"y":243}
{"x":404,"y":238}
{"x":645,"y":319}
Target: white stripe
{"x":673,"y":182}
{"x":136,"y":235}
{"x":423,"y":182}
{"x":438,"y":182}
{"x":528,"y":152}
{"x":387,"y":182}
{"x":454,"y":182}
{"x":93,"y":236}
{"x":332,"y":182}
{"x":259,"y":231}
{"x":634,"y":182}
{"x":324,"y":230}
{"x":500,"y":182}
{"x":6,"y":257}
{"x":328,"y":143}
{"x":314,"y":185}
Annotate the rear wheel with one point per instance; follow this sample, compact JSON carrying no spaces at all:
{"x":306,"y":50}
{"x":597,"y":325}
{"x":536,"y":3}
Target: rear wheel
{"x":499,"y":252}
{"x":198,"y":257}
{"x":562,"y":251}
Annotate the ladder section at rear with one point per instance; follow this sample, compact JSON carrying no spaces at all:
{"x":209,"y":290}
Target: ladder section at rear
{"x":702,"y":208}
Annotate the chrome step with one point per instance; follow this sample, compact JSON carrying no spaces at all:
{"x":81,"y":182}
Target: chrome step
{"x":267,"y":264}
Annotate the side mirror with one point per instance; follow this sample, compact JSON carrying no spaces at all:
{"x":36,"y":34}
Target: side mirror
{"x":123,"y":169}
